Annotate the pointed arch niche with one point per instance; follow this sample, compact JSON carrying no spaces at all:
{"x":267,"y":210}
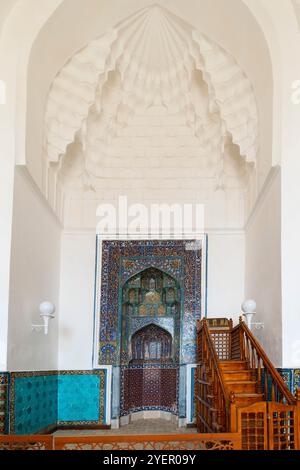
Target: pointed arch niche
{"x":151,"y":313}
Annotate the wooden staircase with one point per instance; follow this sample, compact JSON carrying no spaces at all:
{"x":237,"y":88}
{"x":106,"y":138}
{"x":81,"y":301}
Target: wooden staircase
{"x":237,"y":389}
{"x":240,"y":381}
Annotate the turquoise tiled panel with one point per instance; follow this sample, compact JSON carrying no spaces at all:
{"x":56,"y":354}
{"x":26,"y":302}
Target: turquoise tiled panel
{"x":34,"y":404}
{"x":79,"y":398}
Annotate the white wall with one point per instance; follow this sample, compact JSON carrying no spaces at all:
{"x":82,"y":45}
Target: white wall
{"x":77,"y":300}
{"x":225,"y":290}
{"x":263,"y":266}
{"x":5,"y":9}
{"x":35,"y":267}
{"x":16,"y":38}
{"x":225,"y":269}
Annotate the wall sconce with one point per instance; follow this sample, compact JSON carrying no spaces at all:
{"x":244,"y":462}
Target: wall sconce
{"x":47,"y":310}
{"x":249,"y":309}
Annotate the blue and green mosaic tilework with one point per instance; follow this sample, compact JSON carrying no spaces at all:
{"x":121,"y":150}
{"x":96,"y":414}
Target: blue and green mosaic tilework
{"x":81,"y":398}
{"x":33,"y":402}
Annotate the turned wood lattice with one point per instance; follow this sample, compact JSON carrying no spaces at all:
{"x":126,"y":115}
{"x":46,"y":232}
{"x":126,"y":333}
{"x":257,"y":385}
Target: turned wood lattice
{"x":158,"y":442}
{"x":147,"y":442}
{"x":28,"y":442}
{"x":253,"y":425}
{"x":222,"y":344}
{"x":284,"y":427}
{"x":270,"y":426}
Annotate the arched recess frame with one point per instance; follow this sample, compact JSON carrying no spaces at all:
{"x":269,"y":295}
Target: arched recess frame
{"x":174,"y":320}
{"x":106,"y":242}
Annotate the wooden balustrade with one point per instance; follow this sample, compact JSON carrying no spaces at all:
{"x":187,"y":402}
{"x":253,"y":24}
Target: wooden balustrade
{"x":239,"y":390}
{"x":272,"y":385}
{"x":226,"y":441}
{"x":26,"y":442}
{"x":213,"y":403}
{"x":235,"y":352}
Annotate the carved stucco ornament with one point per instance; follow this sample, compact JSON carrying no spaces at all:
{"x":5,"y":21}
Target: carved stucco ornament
{"x":155,"y":55}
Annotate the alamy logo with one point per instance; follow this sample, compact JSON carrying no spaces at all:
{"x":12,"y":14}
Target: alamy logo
{"x":156,"y":219}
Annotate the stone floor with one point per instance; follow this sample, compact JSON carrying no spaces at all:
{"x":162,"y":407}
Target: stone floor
{"x":142,"y":426}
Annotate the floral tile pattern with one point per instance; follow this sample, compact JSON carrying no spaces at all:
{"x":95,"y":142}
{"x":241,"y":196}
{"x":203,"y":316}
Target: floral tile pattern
{"x":287,"y":376}
{"x":296,"y":379}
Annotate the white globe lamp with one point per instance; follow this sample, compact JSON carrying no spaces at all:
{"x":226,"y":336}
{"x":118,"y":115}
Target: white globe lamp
{"x":47,"y":310}
{"x":249,"y":309}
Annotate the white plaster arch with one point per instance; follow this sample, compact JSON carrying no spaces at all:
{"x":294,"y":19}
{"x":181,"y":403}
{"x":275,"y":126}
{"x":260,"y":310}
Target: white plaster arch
{"x":78,"y":85}
{"x":278,"y":22}
{"x":110,"y":14}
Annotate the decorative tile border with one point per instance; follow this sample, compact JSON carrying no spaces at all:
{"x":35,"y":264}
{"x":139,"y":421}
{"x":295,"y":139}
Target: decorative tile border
{"x":4,"y":378}
{"x":296,"y":380}
{"x":79,"y":393}
{"x":190,"y":393}
{"x":4,"y":395}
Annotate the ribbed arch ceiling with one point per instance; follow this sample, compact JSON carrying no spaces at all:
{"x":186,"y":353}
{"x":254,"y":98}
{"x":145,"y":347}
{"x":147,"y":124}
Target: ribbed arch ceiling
{"x":155,"y":55}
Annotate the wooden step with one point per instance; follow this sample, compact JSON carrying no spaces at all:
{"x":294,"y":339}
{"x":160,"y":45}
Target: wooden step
{"x":241,"y":386}
{"x":233,"y":375}
{"x":233,"y":365}
{"x":245,"y":399}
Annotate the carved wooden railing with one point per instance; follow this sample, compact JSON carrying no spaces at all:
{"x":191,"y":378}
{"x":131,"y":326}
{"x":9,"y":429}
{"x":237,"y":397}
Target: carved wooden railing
{"x":228,"y":441}
{"x":26,"y":442}
{"x":213,"y":404}
{"x":269,"y":380}
{"x":239,"y":343}
{"x":273,"y":422}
